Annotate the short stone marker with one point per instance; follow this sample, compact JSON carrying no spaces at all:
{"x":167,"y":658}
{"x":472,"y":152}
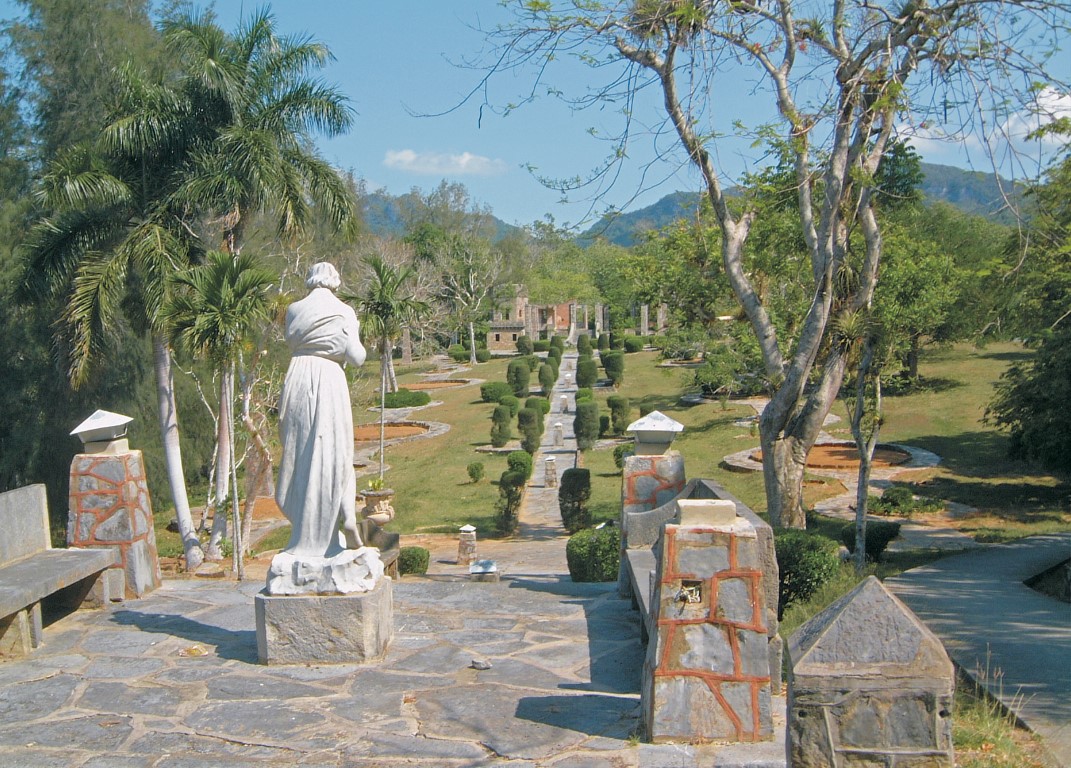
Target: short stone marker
{"x":483,"y":570}
{"x":564,"y":404}
{"x":550,"y":473}
{"x":869,"y":685}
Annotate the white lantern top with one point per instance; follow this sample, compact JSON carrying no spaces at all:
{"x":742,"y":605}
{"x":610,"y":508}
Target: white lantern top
{"x":654,"y":432}
{"x":467,"y":528}
{"x":102,"y":426}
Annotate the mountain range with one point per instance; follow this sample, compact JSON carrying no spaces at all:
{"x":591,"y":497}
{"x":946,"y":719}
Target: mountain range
{"x":970,"y":191}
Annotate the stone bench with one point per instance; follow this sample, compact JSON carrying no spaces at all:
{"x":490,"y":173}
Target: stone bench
{"x":30,"y":571}
{"x":388,"y":544}
{"x":640,"y":535}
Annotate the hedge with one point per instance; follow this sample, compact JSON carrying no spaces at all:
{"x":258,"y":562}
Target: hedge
{"x":537,"y":403}
{"x":483,"y":354}
{"x":633,"y":344}
{"x":594,"y":554}
{"x":541,"y":345}
{"x":406,"y":398}
{"x":604,"y":342}
{"x":879,"y":533}
{"x":494,"y":391}
{"x":805,"y":561}
{"x":524,"y":345}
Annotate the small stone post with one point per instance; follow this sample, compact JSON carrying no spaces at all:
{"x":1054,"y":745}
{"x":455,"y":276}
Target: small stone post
{"x":109,"y":505}
{"x":869,"y":685}
{"x":550,"y":473}
{"x":707,"y":671}
{"x":564,"y":403}
{"x":466,"y":545}
{"x":559,"y":434}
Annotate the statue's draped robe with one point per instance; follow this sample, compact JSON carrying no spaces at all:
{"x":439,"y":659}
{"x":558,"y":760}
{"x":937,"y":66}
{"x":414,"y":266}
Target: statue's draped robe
{"x":317,"y":487}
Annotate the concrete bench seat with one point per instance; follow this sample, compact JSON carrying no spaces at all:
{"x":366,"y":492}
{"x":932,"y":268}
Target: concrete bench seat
{"x":31,"y":571}
{"x":641,"y":564}
{"x":389,"y":545}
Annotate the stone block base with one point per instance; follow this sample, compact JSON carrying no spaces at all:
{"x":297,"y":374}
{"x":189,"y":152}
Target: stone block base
{"x":325,"y":629}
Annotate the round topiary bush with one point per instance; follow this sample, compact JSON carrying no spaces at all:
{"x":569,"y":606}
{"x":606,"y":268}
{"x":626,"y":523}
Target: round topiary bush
{"x":619,"y":413}
{"x":604,"y":342}
{"x":621,"y":452}
{"x":458,"y":353}
{"x":510,"y":493}
{"x":483,"y":355}
{"x":805,"y":562}
{"x":541,"y":345}
{"x":584,"y":393}
{"x":475,"y":471}
{"x":557,"y":342}
{"x":413,"y":560}
{"x":494,"y":391}
{"x":587,"y":372}
{"x":594,"y":554}
{"x":546,"y":378}
{"x":533,"y":362}
{"x":633,"y":344}
{"x":524,"y":345}
{"x":520,"y":462}
{"x":586,"y":424}
{"x":511,"y":402}
{"x":614,"y":365}
{"x":405,"y":398}
{"x":583,"y":345}
{"x":530,"y":425}
{"x":540,"y":404}
{"x":879,"y":533}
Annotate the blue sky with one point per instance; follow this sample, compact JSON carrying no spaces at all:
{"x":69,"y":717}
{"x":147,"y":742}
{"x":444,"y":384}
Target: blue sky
{"x":399,"y":59}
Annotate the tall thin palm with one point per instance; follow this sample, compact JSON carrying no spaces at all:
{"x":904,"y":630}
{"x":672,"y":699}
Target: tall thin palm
{"x":212,"y":312}
{"x":111,"y":239}
{"x":265,"y":101}
{"x":387,"y":306}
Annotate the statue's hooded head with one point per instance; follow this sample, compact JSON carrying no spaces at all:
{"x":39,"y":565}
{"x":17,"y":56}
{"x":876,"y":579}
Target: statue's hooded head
{"x":323,"y":275}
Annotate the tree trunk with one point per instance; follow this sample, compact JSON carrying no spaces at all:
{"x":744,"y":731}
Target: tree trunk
{"x":407,"y":346}
{"x":214,"y":550}
{"x":472,"y":343}
{"x":865,"y":445}
{"x":783,"y":463}
{"x":169,"y":432}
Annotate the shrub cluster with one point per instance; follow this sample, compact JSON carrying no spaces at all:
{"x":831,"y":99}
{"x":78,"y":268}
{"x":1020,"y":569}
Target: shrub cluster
{"x":530,"y":425}
{"x":898,"y":501}
{"x":405,"y":398}
{"x":494,"y":391}
{"x":587,"y":372}
{"x":500,"y":426}
{"x":483,"y":354}
{"x":633,"y":344}
{"x":475,"y":471}
{"x":620,"y":453}
{"x":413,"y":560}
{"x":594,"y":554}
{"x":878,"y":535}
{"x":534,"y":361}
{"x":520,"y":462}
{"x":511,"y":402}
{"x":524,"y":345}
{"x":617,"y":340}
{"x":584,"y":394}
{"x":540,"y":404}
{"x":619,"y":413}
{"x":510,"y":493}
{"x":518,"y":375}
{"x":586,"y":424}
{"x":805,"y":561}
{"x":541,"y":345}
{"x":458,"y":353}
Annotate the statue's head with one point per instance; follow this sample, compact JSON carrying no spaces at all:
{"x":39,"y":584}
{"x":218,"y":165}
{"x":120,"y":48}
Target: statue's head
{"x":323,"y":275}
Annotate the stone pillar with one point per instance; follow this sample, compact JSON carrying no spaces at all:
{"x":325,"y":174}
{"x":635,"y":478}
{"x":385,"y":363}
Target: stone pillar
{"x":109,"y":506}
{"x":559,"y":434}
{"x":707,"y":673}
{"x":645,"y":319}
{"x":662,"y":317}
{"x":869,"y":685}
{"x":598,"y":320}
{"x":564,"y":401}
{"x":550,"y":473}
{"x":649,"y":481}
{"x":466,"y":545}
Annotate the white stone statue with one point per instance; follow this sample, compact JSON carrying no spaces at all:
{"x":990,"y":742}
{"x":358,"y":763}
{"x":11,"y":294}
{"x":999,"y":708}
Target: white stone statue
{"x":317,"y":488}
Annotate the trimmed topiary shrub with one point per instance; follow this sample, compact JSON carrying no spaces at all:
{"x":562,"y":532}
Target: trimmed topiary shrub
{"x":604,"y":342}
{"x":520,"y":462}
{"x":594,"y":554}
{"x":413,"y":560}
{"x":878,"y":535}
{"x":583,"y":345}
{"x":533,"y":362}
{"x":546,"y":378}
{"x":587,"y":372}
{"x":573,"y":494}
{"x":633,"y":344}
{"x":405,"y":398}
{"x":510,"y":493}
{"x":482,"y":354}
{"x":540,"y":404}
{"x":524,"y":345}
{"x":617,"y":340}
{"x":614,"y":365}
{"x":619,"y":413}
{"x":518,"y":375}
{"x":620,"y":453}
{"x":586,"y":424}
{"x":541,"y":345}
{"x":898,"y":501}
{"x":475,"y":471}
{"x":805,"y":562}
{"x":558,"y":343}
{"x":530,"y":425}
{"x":555,"y":355}
{"x":584,"y":393}
{"x":604,"y":425}
{"x":500,"y":429}
{"x":494,"y":391}
{"x":513,"y":403}
{"x":458,"y":353}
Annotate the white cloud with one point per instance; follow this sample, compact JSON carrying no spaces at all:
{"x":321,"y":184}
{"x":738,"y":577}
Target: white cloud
{"x":442,"y":164}
{"x":1049,"y":105}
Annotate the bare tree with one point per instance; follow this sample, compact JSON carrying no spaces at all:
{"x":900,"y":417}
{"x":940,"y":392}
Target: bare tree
{"x":470,"y":282}
{"x":842,"y":77}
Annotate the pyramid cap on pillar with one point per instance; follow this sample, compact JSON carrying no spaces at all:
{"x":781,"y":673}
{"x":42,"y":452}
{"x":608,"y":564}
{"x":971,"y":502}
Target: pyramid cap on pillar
{"x":654,"y":432}
{"x":102,"y":426}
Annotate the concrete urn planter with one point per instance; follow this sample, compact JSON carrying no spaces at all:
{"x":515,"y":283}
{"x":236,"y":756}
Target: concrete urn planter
{"x":377,"y":506}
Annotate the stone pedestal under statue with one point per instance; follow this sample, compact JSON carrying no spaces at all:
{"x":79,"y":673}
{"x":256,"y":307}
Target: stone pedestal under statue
{"x":319,"y":629}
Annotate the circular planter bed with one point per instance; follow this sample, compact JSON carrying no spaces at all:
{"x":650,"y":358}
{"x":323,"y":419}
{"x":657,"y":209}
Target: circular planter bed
{"x":369,"y":433}
{"x":440,"y":384}
{"x":845,"y":456}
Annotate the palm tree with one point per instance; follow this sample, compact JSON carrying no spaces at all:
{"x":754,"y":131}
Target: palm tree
{"x":387,"y":307}
{"x":111,"y":239}
{"x":212,"y":313}
{"x":264,"y":103}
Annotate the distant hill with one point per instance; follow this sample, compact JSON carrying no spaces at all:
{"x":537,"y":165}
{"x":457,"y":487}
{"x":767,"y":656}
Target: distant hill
{"x":383,"y":217}
{"x":970,"y":191}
